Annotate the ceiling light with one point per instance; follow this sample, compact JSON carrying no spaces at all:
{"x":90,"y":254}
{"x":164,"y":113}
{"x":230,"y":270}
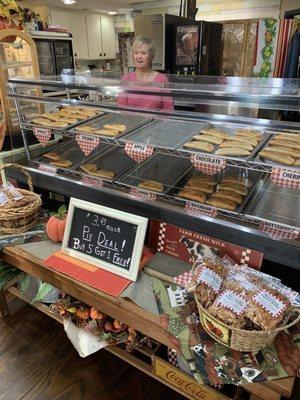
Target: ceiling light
{"x":69,"y":2}
{"x":112,"y":12}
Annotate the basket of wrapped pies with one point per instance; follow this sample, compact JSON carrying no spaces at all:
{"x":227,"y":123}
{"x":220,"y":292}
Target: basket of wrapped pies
{"x":19,"y":208}
{"x":240,"y":307}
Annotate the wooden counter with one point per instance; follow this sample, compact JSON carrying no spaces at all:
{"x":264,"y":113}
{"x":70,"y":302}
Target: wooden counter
{"x":127,"y":311}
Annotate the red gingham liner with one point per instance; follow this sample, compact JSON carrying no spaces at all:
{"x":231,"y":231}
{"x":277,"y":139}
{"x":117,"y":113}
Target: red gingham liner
{"x":43,"y":135}
{"x":207,"y":164}
{"x":199,"y":209}
{"x":138,"y":152}
{"x":278,"y":232}
{"x":141,"y":195}
{"x":172,"y":357}
{"x":183,"y":279}
{"x":48,"y":169}
{"x":92,"y":181}
{"x":286,"y":177}
{"x":87,"y":143}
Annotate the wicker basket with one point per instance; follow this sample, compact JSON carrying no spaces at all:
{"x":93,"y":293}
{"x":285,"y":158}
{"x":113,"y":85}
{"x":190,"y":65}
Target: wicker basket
{"x":240,"y":339}
{"x":21,"y":219}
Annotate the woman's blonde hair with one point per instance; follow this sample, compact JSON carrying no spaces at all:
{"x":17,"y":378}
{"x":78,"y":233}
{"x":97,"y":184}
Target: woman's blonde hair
{"x":144,"y":40}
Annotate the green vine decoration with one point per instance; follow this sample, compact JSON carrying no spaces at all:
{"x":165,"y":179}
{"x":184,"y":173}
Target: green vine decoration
{"x":268,"y":49}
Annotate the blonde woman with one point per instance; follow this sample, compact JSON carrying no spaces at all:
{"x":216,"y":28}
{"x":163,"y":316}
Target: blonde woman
{"x":143,"y":50}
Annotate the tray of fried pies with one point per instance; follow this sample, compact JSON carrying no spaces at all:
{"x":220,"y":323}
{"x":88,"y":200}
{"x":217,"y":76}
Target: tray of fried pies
{"x":283,"y":149}
{"x":109,"y":165}
{"x":228,"y":190}
{"x":158,"y":173}
{"x":64,"y":155}
{"x":112,"y":125}
{"x":65,"y":117}
{"x":227,"y":141}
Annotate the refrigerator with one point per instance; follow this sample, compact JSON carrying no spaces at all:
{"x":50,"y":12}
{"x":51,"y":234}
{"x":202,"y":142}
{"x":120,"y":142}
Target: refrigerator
{"x":161,"y":29}
{"x":198,"y":48}
{"x":55,"y":52}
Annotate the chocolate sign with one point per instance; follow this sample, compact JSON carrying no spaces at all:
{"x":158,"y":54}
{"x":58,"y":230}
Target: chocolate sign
{"x":208,"y":164}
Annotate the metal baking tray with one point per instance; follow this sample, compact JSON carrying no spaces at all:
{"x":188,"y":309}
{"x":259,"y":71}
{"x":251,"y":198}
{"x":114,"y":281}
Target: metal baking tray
{"x":255,"y":177}
{"x":67,"y":128}
{"x":167,"y":134}
{"x":114,"y":158}
{"x":165,"y":169}
{"x":231,"y":132}
{"x":271,"y":163}
{"x":69,"y":150}
{"x":271,"y":202}
{"x":132,"y":122}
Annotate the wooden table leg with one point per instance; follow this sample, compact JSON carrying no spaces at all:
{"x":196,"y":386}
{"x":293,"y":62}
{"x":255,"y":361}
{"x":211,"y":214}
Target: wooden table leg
{"x":4,"y":311}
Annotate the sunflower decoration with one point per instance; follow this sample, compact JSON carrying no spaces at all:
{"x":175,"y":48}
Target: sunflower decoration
{"x":268,"y":49}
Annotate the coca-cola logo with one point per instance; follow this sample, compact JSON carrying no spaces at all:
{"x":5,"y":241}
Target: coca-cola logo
{"x":190,"y":387}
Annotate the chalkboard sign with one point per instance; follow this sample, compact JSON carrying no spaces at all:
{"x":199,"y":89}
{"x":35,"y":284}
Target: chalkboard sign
{"x":107,"y":238}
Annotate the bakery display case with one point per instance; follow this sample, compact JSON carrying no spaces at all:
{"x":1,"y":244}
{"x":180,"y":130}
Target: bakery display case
{"x":234,"y":178}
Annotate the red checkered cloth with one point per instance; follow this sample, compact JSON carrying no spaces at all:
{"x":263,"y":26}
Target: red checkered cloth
{"x":141,"y":195}
{"x":208,"y":164}
{"x":87,"y":143}
{"x":199,"y":209}
{"x":92,"y":181}
{"x":286,"y":177}
{"x":183,"y":279}
{"x":139,"y":152}
{"x":43,"y":135}
{"x":278,"y":232}
{"x":172,"y":357}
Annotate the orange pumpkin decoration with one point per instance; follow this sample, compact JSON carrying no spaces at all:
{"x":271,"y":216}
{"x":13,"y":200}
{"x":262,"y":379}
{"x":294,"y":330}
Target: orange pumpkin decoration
{"x":56,"y":224}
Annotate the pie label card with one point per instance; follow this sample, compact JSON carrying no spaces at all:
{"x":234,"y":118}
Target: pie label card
{"x":43,"y":135}
{"x":278,"y":232}
{"x":208,"y":164}
{"x":48,"y":169}
{"x":87,"y":143}
{"x":92,"y":181}
{"x":199,"y":209}
{"x":139,"y":152}
{"x":141,"y":195}
{"x":286,"y":178}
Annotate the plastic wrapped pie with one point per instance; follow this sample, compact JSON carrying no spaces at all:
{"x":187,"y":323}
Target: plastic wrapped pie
{"x":207,"y":281}
{"x":267,"y":308}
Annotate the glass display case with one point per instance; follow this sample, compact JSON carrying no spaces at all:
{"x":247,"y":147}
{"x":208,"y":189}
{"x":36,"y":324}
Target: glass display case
{"x":233,"y":178}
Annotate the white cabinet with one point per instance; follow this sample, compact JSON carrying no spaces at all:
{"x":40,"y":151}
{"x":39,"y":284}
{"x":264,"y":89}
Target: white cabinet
{"x":108,"y":37}
{"x":60,"y":18}
{"x":79,"y":33}
{"x":101,"y":37}
{"x":93,"y":23}
{"x":94,"y":36}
